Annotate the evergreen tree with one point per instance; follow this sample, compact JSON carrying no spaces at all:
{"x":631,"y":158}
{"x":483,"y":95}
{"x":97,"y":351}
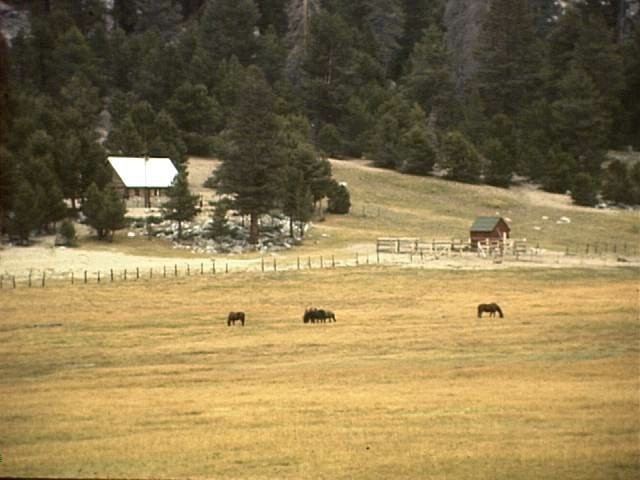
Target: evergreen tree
{"x":508,"y":57}
{"x":629,"y":121}
{"x":385,"y":21}
{"x":580,"y":122}
{"x":420,"y":15}
{"x":559,"y":171}
{"x":616,"y":184}
{"x":340,"y":200}
{"x":253,"y":163}
{"x":461,"y":158}
{"x":429,"y":81}
{"x":105,"y":211}
{"x":227,"y":28}
{"x":7,"y":186}
{"x":583,"y":191}
{"x":125,"y":14}
{"x":298,"y":201}
{"x":499,"y":170}
{"x":327,"y":65}
{"x":26,"y":216}
{"x":418,"y":156}
{"x":4,"y":92}
{"x":299,"y":15}
{"x":6,"y":165}
{"x":181,"y":205}
{"x":197,"y":115}
{"x":71,"y":56}
{"x":161,"y":15}
{"x":271,"y":56}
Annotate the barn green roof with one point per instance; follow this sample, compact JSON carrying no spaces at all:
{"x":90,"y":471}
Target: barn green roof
{"x":485,"y":224}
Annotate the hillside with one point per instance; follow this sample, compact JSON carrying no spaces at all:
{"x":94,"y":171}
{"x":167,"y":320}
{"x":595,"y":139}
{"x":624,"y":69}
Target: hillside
{"x":428,"y":207}
{"x":385,"y":203}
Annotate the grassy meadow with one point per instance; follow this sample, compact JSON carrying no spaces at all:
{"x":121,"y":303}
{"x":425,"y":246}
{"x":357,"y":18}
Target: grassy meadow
{"x":387,"y":203}
{"x":145,"y":380}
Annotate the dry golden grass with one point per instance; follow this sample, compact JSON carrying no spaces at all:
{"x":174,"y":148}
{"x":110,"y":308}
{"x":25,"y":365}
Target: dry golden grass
{"x":146,"y":380}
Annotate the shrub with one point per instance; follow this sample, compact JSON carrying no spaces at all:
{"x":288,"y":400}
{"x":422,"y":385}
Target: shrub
{"x":339,"y":200}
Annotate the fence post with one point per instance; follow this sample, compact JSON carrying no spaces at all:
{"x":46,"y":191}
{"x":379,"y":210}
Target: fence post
{"x":43,"y":276}
{"x":309,"y":262}
{"x":226,"y":268}
{"x":85,"y":276}
{"x":164,"y":271}
{"x":98,"y":276}
{"x":111,"y":274}
{"x":275,"y":266}
{"x":137,"y":273}
{"x":298,"y":263}
{"x":357,"y":260}
{"x":188,"y":270}
{"x":150,"y":273}
{"x":201,"y":268}
{"x":29,"y":278}
{"x":333,"y":261}
{"x":262,"y":264}
{"x":72,"y":279}
{"x":14,"y":281}
{"x":125,"y":274}
{"x":214,"y":266}
{"x":175,"y":269}
{"x":321,"y":262}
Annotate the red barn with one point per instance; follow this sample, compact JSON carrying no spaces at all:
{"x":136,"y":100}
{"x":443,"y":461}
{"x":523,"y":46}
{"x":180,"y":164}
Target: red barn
{"x":491,"y":228}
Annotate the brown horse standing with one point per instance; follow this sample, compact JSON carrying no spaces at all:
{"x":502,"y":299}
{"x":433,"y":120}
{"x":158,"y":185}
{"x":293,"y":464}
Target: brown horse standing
{"x":490,"y":308}
{"x":235,"y":316}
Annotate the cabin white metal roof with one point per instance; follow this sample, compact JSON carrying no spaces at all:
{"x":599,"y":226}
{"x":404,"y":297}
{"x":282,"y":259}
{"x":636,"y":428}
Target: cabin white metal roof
{"x":144,"y":172}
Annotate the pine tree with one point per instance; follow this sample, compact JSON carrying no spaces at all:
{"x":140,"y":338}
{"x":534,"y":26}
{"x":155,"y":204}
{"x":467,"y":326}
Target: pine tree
{"x":227,"y":28}
{"x":162,"y":15}
{"x":26,"y":216}
{"x":429,"y":81}
{"x":105,"y":211}
{"x":580,"y":122}
{"x":181,"y":205}
{"x":508,"y":57}
{"x":616,"y":183}
{"x":499,"y":171}
{"x":299,"y":15}
{"x":385,"y":20}
{"x":327,"y":65}
{"x":461,"y":158}
{"x":418,"y":156}
{"x":197,"y":115}
{"x":340,"y":200}
{"x":583,"y":191}
{"x":252,"y":165}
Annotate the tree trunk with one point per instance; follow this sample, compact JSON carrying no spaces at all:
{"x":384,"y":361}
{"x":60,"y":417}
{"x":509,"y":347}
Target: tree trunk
{"x":179,"y":230}
{"x":291,"y":234}
{"x":253,"y":228}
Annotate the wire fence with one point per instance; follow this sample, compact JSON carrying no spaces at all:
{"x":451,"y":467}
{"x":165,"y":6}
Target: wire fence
{"x":593,"y":254}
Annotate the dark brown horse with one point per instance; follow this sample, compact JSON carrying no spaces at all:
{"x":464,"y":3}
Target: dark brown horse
{"x":318,"y":315}
{"x":490,"y":308}
{"x":234,"y":317}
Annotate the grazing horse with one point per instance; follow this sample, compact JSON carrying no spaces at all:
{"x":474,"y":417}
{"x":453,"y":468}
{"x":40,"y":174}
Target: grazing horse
{"x":490,"y":308}
{"x":235,"y":316}
{"x":318,"y":315}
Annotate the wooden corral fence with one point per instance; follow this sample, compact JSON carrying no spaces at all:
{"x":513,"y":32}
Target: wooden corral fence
{"x":416,"y":246}
{"x":450,"y":246}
